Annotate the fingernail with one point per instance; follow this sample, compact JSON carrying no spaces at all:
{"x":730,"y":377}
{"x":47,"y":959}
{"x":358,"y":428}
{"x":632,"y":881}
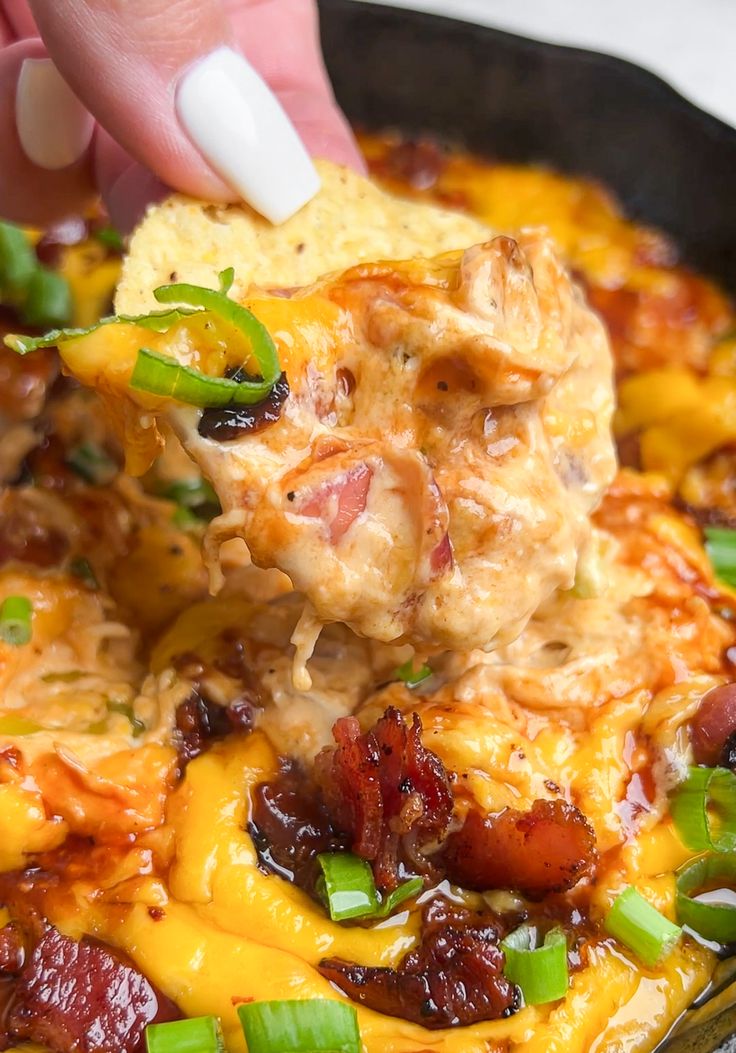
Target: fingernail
{"x":53,"y":127}
{"x":239,"y":126}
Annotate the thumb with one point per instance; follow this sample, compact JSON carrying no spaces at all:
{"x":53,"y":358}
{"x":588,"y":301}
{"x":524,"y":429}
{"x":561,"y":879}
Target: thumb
{"x":164,"y":78}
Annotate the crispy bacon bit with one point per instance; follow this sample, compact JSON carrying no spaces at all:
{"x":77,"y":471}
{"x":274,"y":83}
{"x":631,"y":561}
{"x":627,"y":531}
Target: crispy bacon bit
{"x":200,"y":721}
{"x":418,"y":163}
{"x":80,"y":997}
{"x":341,"y":499}
{"x":25,"y":382}
{"x":23,"y":537}
{"x":386,"y":791}
{"x":232,"y":422}
{"x":547,"y":849}
{"x":713,"y":728}
{"x":455,"y":976}
{"x":290,"y":828}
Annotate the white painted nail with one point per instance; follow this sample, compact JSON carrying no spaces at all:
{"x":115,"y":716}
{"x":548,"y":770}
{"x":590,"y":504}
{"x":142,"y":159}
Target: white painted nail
{"x":53,"y":127}
{"x":239,"y":126}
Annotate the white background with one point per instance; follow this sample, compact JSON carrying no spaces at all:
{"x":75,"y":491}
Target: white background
{"x":690,"y":43}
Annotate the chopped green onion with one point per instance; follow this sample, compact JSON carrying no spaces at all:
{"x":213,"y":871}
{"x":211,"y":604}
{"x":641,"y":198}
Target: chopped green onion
{"x":162,"y":375}
{"x":17,"y":261}
{"x":411,"y":678}
{"x":15,"y":620}
{"x":190,"y":493}
{"x":349,"y":885}
{"x":185,"y":519}
{"x":349,"y":891}
{"x":226,"y":279}
{"x":200,"y":1034}
{"x":315,"y":1025}
{"x":704,"y":810}
{"x":635,"y":923}
{"x":47,"y":299}
{"x":82,"y":568}
{"x":197,"y":501}
{"x":540,"y":972}
{"x":41,"y":296}
{"x":110,"y":238}
{"x":713,"y":921}
{"x":720,"y":544}
{"x":156,"y":321}
{"x":92,"y":464}
{"x":126,"y":710}
{"x":410,"y":888}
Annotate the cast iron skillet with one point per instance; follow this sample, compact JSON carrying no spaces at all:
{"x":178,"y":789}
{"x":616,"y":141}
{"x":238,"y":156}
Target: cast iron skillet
{"x":506,"y":97}
{"x":514,"y":99}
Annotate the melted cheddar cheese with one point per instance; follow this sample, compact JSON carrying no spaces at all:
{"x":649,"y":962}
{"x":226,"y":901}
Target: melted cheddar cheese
{"x":617,"y":632}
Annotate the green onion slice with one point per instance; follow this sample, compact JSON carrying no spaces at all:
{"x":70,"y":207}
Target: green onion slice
{"x":17,"y":260}
{"x":635,"y":923}
{"x":200,"y":1034}
{"x":156,"y":321}
{"x":411,"y":677}
{"x":15,"y":620}
{"x":704,"y":810}
{"x":410,"y":888}
{"x":110,"y":237}
{"x":720,"y":544}
{"x":47,"y":299}
{"x":82,"y":568}
{"x":189,"y":493}
{"x":349,"y":886}
{"x":41,"y":296}
{"x":540,"y":972}
{"x":315,"y":1025}
{"x":92,"y":464}
{"x":162,"y":375}
{"x":713,"y":921}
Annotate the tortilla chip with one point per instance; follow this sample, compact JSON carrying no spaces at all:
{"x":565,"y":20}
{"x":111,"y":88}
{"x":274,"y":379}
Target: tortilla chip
{"x":351,"y":220}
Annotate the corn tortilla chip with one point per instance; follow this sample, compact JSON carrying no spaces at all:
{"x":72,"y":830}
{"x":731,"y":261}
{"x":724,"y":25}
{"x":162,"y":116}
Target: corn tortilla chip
{"x":351,"y":220}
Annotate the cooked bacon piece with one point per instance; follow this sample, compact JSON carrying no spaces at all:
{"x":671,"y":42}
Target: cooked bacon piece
{"x":79,"y":997}
{"x":547,"y":849}
{"x":441,"y":557}
{"x":25,"y":537}
{"x":290,"y":827}
{"x":419,"y":163}
{"x":24,"y":382}
{"x":384,"y":789}
{"x":12,"y":951}
{"x":339,"y":500}
{"x":713,"y":728}
{"x":200,"y":721}
{"x":454,"y":977}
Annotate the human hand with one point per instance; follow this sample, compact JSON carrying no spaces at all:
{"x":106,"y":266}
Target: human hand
{"x":162,"y":98}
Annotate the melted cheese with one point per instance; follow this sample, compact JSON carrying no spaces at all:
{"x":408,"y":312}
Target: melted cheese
{"x":230,"y":933}
{"x":588,"y":702}
{"x":465,"y":501}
